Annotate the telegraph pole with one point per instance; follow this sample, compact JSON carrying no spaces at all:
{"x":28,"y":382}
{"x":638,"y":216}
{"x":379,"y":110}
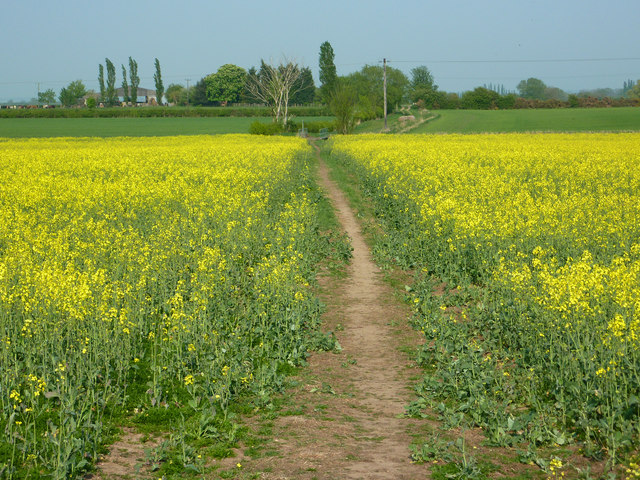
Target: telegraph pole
{"x":188,"y":91}
{"x":384,"y":87}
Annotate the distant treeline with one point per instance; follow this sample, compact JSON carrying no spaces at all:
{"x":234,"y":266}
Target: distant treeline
{"x":532,"y":93}
{"x":147,"y":112}
{"x":482,"y":98}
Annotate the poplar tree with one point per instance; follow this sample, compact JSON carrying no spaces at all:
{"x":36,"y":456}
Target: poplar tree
{"x":159,"y":86}
{"x":125,"y":85}
{"x":328,"y":74}
{"x":135,"y":80}
{"x":101,"y":82}
{"x":111,"y":83}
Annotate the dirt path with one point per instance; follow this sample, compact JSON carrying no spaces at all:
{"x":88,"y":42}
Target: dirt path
{"x":416,"y":124}
{"x":348,"y":420}
{"x":344,"y":420}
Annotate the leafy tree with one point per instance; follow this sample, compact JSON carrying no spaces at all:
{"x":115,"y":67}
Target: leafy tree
{"x":103,"y":90}
{"x":343,"y":101}
{"x":91,"y":102}
{"x":72,"y":93}
{"x":110,"y":93}
{"x":506,"y":101}
{"x":368,"y":85}
{"x":175,"y":93}
{"x":47,"y":97}
{"x":157,"y":77}
{"x":532,"y":88}
{"x":179,"y":95}
{"x":634,"y":91}
{"x":252,"y":77}
{"x":628,"y":85}
{"x":422,"y":86}
{"x":125,"y":85}
{"x":227,"y":84}
{"x":555,"y":93}
{"x":480,"y":99}
{"x":328,"y":73}
{"x":135,"y":80}
{"x":597,"y":93}
{"x":199,"y":94}
{"x":305,"y":88}
{"x":574,"y":101}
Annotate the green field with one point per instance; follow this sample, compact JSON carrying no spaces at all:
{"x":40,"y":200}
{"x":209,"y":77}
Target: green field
{"x":138,"y":127}
{"x":448,"y":121}
{"x":376,"y":126}
{"x":552,"y":120}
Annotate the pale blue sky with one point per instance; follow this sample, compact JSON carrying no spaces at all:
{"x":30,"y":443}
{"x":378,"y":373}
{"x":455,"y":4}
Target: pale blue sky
{"x":55,"y":42}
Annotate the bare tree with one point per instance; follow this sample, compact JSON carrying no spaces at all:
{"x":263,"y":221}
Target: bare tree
{"x":265,"y":88}
{"x":289,"y":73}
{"x":275,"y":85}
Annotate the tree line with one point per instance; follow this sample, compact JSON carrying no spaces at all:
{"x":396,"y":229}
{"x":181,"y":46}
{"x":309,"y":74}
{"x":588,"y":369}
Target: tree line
{"x":72,"y":94}
{"x":358,"y":96}
{"x":355,"y":97}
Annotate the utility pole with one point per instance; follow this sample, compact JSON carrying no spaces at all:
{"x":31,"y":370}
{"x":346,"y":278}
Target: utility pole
{"x":188,"y":79}
{"x":384,"y":86}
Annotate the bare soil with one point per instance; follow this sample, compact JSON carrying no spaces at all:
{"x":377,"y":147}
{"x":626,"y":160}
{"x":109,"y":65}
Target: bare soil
{"x":127,"y":458}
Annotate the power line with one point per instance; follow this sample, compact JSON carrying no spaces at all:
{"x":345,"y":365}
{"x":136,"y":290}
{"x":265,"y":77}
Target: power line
{"x":555,"y":60}
{"x":545,"y":77}
{"x":549,"y":60}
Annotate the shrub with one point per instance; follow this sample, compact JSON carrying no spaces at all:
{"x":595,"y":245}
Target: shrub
{"x":506,"y":101}
{"x":573,"y":101}
{"x":480,"y":99}
{"x":259,"y":128}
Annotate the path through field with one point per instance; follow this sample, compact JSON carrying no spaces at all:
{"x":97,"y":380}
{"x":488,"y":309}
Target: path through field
{"x":347,"y":419}
{"x":344,"y":419}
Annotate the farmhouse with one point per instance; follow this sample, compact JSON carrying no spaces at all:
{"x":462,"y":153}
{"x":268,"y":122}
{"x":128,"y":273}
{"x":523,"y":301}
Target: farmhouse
{"x":145,"y":96}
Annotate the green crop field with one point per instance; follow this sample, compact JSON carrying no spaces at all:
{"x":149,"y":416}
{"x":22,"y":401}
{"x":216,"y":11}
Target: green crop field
{"x":552,"y":120}
{"x":448,"y":121}
{"x":133,"y":127}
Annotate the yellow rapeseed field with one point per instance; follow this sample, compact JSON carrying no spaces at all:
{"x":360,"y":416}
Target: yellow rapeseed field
{"x":540,"y":233}
{"x":145,"y":273}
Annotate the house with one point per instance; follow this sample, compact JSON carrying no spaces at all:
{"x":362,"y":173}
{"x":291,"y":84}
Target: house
{"x":145,"y":96}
